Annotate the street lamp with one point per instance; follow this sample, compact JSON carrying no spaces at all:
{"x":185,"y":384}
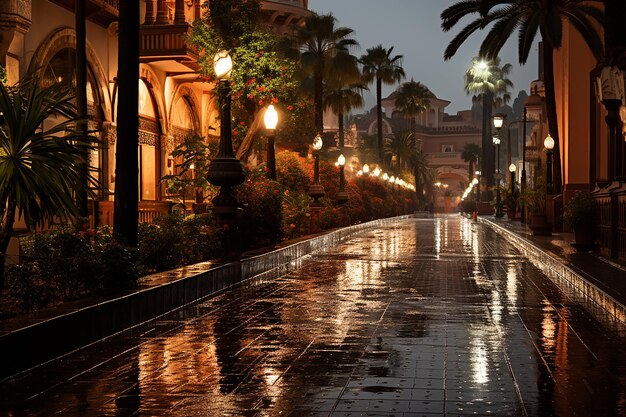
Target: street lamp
{"x":342,"y":196}
{"x":225,"y":170}
{"x":498,"y":121}
{"x":366,"y":169}
{"x":271,"y":120}
{"x":548,"y":143}
{"x":512,"y":169}
{"x":477,"y":186}
{"x":316,"y":190}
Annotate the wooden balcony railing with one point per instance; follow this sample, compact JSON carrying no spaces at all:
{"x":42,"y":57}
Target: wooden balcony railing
{"x":102,"y":12}
{"x":167,"y":42}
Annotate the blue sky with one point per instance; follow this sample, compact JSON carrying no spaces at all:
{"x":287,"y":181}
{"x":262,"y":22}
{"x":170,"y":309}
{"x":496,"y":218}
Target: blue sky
{"x":413,"y":27}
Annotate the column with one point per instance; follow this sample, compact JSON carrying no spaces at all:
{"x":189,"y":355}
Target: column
{"x":179,"y":15}
{"x":149,"y":18}
{"x":162,"y":17}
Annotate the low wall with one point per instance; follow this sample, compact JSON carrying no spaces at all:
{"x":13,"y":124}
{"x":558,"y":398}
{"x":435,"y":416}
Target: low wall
{"x":39,"y":340}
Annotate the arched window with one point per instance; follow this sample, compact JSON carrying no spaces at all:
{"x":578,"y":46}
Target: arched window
{"x":60,"y":69}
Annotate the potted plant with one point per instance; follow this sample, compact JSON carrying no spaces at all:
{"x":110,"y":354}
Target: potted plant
{"x":579,"y":215}
{"x":510,"y":200}
{"x":534,"y":201}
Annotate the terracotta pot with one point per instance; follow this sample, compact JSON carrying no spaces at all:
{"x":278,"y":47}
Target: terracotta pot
{"x":539,"y":225}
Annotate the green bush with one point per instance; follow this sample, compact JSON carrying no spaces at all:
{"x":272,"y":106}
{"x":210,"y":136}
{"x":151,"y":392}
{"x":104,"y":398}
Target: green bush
{"x":67,"y":263}
{"x":174,"y":240}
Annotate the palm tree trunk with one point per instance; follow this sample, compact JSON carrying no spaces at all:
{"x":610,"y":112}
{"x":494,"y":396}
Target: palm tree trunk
{"x":319,"y":97}
{"x":379,"y":119}
{"x":81,"y":103}
{"x":470,"y":170}
{"x":126,"y":214}
{"x":5,"y":238}
{"x":341,"y":132}
{"x":553,"y":125}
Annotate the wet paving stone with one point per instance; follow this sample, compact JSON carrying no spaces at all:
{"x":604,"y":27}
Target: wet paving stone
{"x":427,"y":317}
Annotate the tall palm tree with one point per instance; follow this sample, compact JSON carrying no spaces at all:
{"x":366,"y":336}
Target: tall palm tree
{"x":412,"y":100}
{"x":529,"y":17}
{"x":343,"y":90}
{"x":489,"y":83}
{"x":126,"y":213}
{"x":40,"y":166}
{"x":319,"y":41}
{"x":381,"y":66}
{"x":470,"y":154}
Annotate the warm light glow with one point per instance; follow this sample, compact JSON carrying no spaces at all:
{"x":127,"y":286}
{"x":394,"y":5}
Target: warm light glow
{"x":392,"y":179}
{"x":271,"y":117}
{"x":385,"y":176}
{"x":223,"y":65}
{"x":477,"y":172}
{"x":376,"y":172}
{"x":359,"y":173}
{"x":317,"y":143}
{"x":366,"y":169}
{"x":548,"y":142}
{"x":341,"y":160}
{"x":482,"y":65}
{"x":496,"y":140}
{"x":498,"y":120}
{"x":475,"y":181}
{"x":512,"y":168}
{"x":437,"y":184}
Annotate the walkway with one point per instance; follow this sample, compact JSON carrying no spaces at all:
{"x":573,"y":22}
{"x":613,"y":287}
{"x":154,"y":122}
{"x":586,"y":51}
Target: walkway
{"x":430,"y":317}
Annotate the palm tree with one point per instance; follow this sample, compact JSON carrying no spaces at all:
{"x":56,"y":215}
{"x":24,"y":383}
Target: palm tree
{"x":413,"y":99}
{"x":489,"y":83}
{"x":319,"y":41}
{"x":470,"y":154}
{"x":126,"y":213}
{"x":422,"y":173}
{"x":381,"y":66}
{"x":402,"y":146}
{"x":343,"y":90}
{"x":40,"y":166}
{"x":530,"y":17}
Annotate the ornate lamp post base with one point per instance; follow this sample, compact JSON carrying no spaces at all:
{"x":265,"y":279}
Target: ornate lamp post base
{"x":342,"y":197}
{"x":316,"y":191}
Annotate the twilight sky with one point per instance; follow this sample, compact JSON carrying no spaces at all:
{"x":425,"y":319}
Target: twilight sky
{"x":413,"y":27}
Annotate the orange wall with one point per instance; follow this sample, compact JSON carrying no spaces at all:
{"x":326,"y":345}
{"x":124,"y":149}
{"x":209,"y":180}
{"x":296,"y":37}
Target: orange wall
{"x":573,"y":63}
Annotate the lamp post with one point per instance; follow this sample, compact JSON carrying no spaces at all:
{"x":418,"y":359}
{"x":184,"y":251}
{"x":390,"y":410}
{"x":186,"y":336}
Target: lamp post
{"x":225,"y":170}
{"x":498,"y":121}
{"x":548,"y":143}
{"x":271,"y":120}
{"x":512,"y":169}
{"x":342,"y":196}
{"x":477,"y":186}
{"x":316,"y":190}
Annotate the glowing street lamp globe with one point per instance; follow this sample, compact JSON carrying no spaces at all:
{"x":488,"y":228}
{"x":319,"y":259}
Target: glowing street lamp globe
{"x":223,"y":65}
{"x":271,"y":117}
{"x":317,"y":143}
{"x":341,"y":160}
{"x":512,"y":168}
{"x":548,"y":142}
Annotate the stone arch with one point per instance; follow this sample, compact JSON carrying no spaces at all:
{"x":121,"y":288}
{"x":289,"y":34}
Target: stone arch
{"x":156,"y":89}
{"x":387,"y":130}
{"x":65,"y":37}
{"x":186,"y":93}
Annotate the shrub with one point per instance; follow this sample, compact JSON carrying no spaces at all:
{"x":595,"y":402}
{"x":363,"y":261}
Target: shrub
{"x":67,"y":263}
{"x":579,"y":209}
{"x":292,"y":171}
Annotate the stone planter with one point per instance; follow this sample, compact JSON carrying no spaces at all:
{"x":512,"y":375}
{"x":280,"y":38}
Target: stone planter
{"x":584,"y":236}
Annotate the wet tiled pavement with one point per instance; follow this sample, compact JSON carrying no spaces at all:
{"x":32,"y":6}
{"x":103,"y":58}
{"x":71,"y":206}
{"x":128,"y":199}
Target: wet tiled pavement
{"x":430,"y":317}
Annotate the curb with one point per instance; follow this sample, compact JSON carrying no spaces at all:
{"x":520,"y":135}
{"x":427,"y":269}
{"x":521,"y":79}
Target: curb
{"x":600,"y":304}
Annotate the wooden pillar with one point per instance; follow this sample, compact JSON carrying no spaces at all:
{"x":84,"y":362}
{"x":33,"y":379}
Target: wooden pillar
{"x":149,"y":18}
{"x":179,"y":15}
{"x":162,"y":17}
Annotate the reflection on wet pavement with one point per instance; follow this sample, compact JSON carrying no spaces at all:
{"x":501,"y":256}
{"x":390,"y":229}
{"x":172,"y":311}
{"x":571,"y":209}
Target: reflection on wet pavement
{"x":430,"y":317}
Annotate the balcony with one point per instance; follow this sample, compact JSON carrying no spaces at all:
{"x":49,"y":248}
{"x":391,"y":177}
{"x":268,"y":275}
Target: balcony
{"x":281,"y":14}
{"x":445,"y":158}
{"x":102,"y":12}
{"x":167,"y":43}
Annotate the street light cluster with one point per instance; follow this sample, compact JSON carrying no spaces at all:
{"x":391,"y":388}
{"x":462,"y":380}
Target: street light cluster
{"x":473,"y":183}
{"x":385,"y":177}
